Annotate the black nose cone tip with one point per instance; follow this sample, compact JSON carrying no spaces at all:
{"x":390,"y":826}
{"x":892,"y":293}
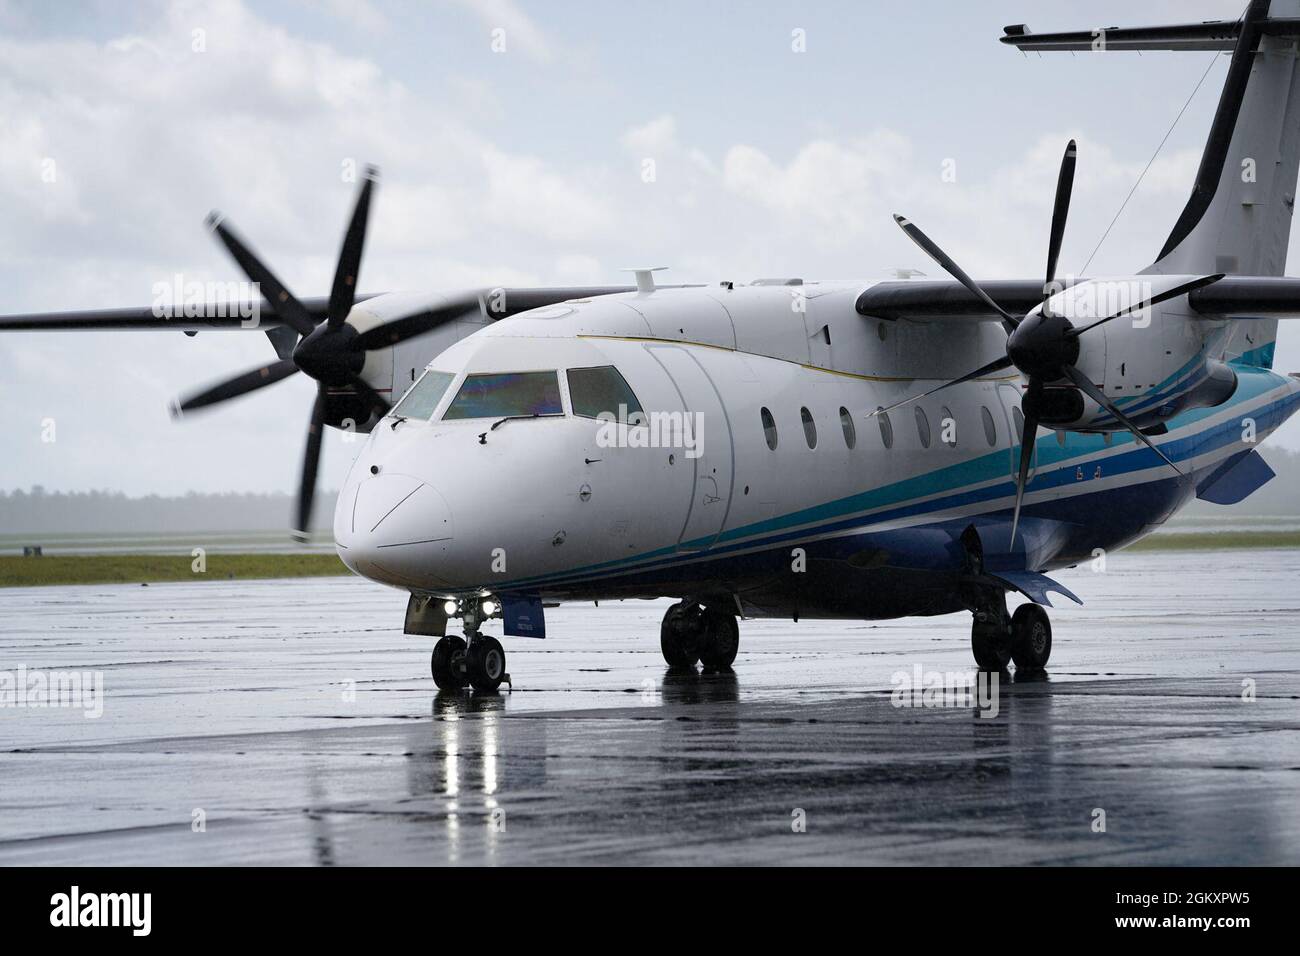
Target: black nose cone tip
{"x":1040,"y":346}
{"x":330,"y":355}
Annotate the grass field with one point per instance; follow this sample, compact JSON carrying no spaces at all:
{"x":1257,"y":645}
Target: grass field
{"x":1217,"y":541}
{"x":17,"y":571}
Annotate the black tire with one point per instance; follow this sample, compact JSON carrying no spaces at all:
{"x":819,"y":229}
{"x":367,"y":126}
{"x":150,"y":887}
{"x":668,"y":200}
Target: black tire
{"x":486,"y":663}
{"x":990,"y":642}
{"x":721,"y":639}
{"x":1031,"y":637}
{"x":680,"y":635}
{"x":448,"y":663}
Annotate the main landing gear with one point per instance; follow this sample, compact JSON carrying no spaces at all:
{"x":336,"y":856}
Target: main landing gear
{"x":1024,"y":637}
{"x":477,"y":660}
{"x":690,"y":633}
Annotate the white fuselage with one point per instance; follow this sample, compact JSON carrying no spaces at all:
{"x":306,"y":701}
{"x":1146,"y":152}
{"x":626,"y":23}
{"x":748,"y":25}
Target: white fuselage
{"x":556,"y":504}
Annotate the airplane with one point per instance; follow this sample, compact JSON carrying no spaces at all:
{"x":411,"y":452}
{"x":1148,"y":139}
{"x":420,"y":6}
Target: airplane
{"x":801,"y":449}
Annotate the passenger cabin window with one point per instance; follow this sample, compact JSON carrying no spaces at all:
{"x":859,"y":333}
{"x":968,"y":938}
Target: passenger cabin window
{"x":886,"y":429}
{"x":1018,"y":419}
{"x":990,"y":429}
{"x":769,"y":427}
{"x":850,"y":432}
{"x":922,"y":427}
{"x":809,"y":427}
{"x":506,"y":395}
{"x":422,"y":398}
{"x":947,"y":427}
{"x":603,"y":391}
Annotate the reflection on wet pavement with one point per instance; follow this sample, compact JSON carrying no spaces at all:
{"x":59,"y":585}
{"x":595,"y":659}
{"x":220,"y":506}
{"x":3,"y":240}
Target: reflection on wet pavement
{"x":296,"y":724}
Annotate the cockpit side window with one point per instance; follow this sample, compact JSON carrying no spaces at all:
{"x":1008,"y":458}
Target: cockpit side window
{"x":602,"y":390}
{"x":423,"y":397}
{"x":506,"y":395}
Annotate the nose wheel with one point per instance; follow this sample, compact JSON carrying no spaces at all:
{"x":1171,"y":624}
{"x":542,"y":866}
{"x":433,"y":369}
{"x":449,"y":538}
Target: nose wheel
{"x":480,"y":664}
{"x":448,"y":663}
{"x":485,"y":663}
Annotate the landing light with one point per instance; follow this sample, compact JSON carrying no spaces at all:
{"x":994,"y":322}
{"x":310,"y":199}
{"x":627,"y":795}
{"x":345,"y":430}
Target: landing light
{"x":449,"y":607}
{"x":489,"y":608}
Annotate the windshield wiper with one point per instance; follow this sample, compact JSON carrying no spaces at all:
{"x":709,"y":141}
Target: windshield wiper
{"x":482,"y":438}
{"x":497,"y":424}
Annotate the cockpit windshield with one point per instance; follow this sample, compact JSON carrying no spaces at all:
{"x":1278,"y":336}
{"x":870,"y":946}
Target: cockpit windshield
{"x":506,"y":395}
{"x":423,"y":397}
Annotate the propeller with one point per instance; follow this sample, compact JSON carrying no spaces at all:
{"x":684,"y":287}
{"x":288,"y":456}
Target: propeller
{"x":1041,"y":345}
{"x":330,"y":351}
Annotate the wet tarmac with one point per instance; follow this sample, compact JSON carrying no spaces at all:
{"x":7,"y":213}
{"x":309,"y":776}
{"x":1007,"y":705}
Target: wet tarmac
{"x":291,"y":722}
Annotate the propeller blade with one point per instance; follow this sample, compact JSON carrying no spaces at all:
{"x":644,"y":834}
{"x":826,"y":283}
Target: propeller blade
{"x":1153,"y":300}
{"x":287,"y":308}
{"x":242,"y":384}
{"x":377,"y":401}
{"x":1064,"y":186}
{"x":1027,"y":438}
{"x":1098,"y":396}
{"x":995,"y":366}
{"x":344,"y":289}
{"x":310,"y":465}
{"x":1009,"y":321}
{"x":409,"y":326}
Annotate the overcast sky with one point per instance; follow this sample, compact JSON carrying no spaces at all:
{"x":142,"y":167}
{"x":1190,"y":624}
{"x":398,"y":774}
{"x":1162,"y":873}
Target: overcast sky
{"x":525,"y":167}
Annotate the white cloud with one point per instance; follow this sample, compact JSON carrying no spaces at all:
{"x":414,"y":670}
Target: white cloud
{"x":520,"y":30}
{"x":653,"y":138}
{"x":524,"y":195}
{"x":359,"y":13}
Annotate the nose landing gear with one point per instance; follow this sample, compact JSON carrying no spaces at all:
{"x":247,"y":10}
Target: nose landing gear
{"x":477,"y":660}
{"x":690,"y":633}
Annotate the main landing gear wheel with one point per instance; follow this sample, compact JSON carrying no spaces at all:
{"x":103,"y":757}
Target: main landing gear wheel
{"x":448,"y":663}
{"x":990,"y":641}
{"x":681,"y":633}
{"x":486,"y":663}
{"x":1031,"y":637}
{"x":690,"y":633}
{"x":721,"y":639}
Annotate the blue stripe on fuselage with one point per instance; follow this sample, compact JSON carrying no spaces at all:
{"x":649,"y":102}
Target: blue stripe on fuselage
{"x":899,"y":500}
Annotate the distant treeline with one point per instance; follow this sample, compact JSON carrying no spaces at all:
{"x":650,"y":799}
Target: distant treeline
{"x":111,"y":512}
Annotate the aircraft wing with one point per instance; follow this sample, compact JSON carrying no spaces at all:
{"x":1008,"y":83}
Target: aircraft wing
{"x":227,"y":315}
{"x":942,"y":300}
{"x":932,"y":300}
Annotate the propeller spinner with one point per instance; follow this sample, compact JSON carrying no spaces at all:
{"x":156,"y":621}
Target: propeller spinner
{"x":1041,"y":345}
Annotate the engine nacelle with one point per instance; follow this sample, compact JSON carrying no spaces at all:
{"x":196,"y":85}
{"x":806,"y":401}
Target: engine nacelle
{"x":1152,"y":364}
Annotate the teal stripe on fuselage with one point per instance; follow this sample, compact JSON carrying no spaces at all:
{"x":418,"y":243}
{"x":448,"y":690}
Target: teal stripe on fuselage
{"x":1261,"y":357}
{"x":1133,"y":405}
{"x":957,"y":479}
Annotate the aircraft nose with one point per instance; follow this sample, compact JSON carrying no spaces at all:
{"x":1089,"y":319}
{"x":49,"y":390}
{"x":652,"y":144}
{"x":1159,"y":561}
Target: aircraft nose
{"x":395,"y":529}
